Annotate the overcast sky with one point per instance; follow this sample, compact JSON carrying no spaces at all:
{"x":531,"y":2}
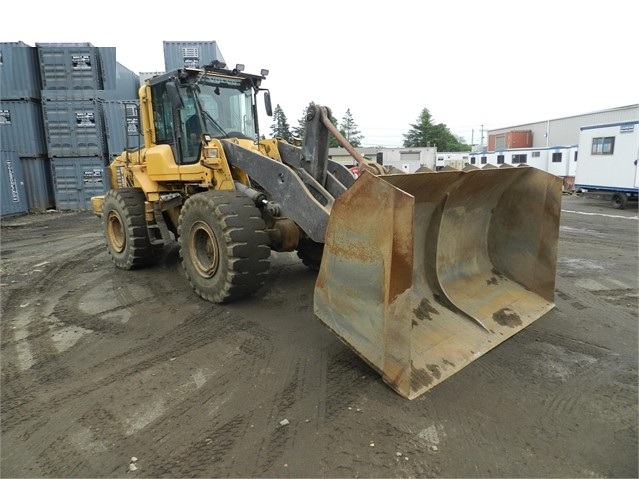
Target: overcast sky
{"x":473,"y":64}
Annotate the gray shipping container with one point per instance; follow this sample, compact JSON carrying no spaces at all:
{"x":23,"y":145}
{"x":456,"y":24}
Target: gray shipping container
{"x":19,"y":72}
{"x":70,"y":66}
{"x":13,"y":195}
{"x":73,"y":95}
{"x":190,"y":54}
{"x":108,"y":67}
{"x":38,"y":183}
{"x":22,"y":127}
{"x":127,"y":84}
{"x":144,"y":76}
{"x":76,"y":180}
{"x":74,"y":128}
{"x":121,"y":126}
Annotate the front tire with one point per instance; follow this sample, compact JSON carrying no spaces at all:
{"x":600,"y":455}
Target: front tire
{"x":125,"y":229}
{"x":224,"y":245}
{"x":310,"y":253}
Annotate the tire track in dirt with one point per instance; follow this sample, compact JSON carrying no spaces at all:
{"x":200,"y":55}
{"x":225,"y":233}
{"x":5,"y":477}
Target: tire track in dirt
{"x":568,"y":369}
{"x":289,"y":393}
{"x":212,"y":444}
{"x":187,"y":341}
{"x":256,"y":433}
{"x":29,"y":330}
{"x":252,"y":345}
{"x":93,"y":395}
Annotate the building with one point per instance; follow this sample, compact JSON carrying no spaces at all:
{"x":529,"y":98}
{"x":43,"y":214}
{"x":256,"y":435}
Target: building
{"x":557,"y":131}
{"x":550,"y":145}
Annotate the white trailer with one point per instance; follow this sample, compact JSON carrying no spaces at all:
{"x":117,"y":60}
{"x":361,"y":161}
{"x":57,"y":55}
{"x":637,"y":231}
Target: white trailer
{"x":607,"y":162}
{"x":557,"y":160}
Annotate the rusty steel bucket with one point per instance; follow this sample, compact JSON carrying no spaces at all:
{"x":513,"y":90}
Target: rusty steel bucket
{"x":423,"y":273}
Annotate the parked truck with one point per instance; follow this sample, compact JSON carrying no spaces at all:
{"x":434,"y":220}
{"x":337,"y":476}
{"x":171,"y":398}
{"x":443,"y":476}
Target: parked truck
{"x":607,"y":162}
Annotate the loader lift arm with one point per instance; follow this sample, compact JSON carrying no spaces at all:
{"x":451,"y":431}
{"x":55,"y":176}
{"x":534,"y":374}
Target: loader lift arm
{"x":306,"y":182}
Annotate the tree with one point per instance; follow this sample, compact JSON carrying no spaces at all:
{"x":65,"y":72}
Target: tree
{"x":348,"y":129}
{"x":298,"y":131}
{"x":332,"y":141}
{"x":426,"y":133}
{"x":280,"y":127}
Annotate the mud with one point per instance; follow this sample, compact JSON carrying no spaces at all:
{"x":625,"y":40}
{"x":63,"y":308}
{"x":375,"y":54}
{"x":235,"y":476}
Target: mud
{"x":109,"y":373}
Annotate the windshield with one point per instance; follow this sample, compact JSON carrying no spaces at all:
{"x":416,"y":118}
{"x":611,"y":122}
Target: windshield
{"x":226,"y":106}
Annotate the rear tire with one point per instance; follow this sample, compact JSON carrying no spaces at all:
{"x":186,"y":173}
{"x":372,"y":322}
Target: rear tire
{"x":310,"y":253}
{"x":619,"y":201}
{"x":224,"y":245}
{"x":125,"y":229}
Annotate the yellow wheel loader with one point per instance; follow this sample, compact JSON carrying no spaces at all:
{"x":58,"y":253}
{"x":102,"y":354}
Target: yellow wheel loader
{"x":419,"y":274}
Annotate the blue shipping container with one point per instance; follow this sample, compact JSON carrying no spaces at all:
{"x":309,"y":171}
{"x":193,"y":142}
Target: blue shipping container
{"x":13,"y":196}
{"x":76,"y":180}
{"x":19,"y":72}
{"x":22,"y":127}
{"x":121,"y":126}
{"x":190,"y":54}
{"x":38,"y":183}
{"x":74,"y":128}
{"x":72,"y":66}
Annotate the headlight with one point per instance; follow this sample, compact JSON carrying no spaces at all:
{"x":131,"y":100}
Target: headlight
{"x":211,"y":152}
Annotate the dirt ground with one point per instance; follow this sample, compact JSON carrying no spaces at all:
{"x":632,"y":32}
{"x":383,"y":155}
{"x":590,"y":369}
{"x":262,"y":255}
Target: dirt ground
{"x":101,"y":366}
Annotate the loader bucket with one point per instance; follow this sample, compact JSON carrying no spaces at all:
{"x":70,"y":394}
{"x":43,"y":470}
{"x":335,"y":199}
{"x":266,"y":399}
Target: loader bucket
{"x":423,"y":273}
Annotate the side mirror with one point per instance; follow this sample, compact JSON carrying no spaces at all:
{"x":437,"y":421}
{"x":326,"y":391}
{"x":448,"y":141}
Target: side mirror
{"x":267,"y":103}
{"x":174,"y":95}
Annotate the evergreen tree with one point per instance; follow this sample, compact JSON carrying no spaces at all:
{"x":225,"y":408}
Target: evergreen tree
{"x":280,"y":127}
{"x":426,"y":133}
{"x":298,"y":131}
{"x":332,"y":141}
{"x":348,"y":129}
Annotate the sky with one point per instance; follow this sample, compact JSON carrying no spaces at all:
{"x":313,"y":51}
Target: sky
{"x":474,"y":65}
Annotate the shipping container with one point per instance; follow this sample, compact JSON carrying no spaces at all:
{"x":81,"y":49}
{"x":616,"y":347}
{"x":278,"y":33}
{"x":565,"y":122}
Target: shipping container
{"x":76,"y":180}
{"x":127,"y":84}
{"x":144,"y":76}
{"x":19,"y":72}
{"x":190,"y":54}
{"x":22,"y":127}
{"x":13,"y":196}
{"x":510,"y":139}
{"x":38,"y":183}
{"x":121,"y":126}
{"x":70,"y":66}
{"x":108,"y":68}
{"x":74,"y":95}
{"x":74,"y":128}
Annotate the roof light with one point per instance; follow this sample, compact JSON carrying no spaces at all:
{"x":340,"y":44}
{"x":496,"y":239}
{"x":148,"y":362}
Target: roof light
{"x":264,"y":72}
{"x":239,"y":67}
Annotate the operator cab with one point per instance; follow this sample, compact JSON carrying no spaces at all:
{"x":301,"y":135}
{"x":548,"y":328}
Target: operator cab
{"x":215,"y":101}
